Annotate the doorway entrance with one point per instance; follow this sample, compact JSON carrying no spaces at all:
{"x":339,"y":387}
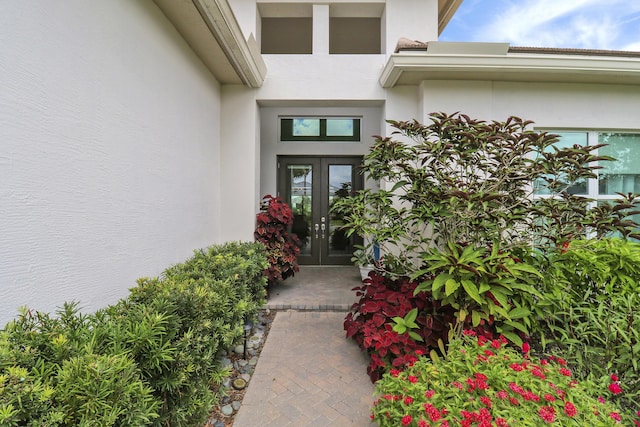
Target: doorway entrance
{"x":310,"y":185}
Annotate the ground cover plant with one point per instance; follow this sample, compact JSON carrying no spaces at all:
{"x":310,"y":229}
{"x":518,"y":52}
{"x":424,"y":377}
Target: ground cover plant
{"x":485,"y":383}
{"x":481,"y":216}
{"x":150,"y":359}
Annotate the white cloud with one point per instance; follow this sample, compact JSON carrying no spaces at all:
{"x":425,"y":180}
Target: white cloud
{"x":558,"y":23}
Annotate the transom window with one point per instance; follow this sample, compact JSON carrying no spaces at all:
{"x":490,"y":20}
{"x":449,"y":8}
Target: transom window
{"x":338,"y":129}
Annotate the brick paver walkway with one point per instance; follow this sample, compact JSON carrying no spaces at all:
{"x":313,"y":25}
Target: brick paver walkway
{"x":308,"y":374}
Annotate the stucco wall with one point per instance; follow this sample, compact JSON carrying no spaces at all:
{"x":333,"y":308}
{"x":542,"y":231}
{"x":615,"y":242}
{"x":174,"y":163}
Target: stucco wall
{"x":549,"y":105}
{"x":109,"y":159}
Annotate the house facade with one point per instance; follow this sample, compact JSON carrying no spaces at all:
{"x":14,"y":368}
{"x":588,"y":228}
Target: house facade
{"x":135,"y":132}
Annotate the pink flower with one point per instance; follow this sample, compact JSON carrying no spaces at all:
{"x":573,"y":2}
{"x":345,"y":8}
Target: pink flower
{"x":408,"y":400}
{"x":422,"y":423}
{"x":444,"y":423}
{"x":615,"y":416}
{"x":614,"y":377}
{"x":406,"y":420}
{"x":525,"y":348}
{"x":570,"y":409}
{"x":615,"y":388}
{"x":549,"y":398}
{"x":516,"y":367}
{"x":429,"y":394}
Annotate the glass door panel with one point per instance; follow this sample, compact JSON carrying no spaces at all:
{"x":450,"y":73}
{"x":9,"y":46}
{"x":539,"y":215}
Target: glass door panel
{"x":310,"y":185}
{"x":340,"y":185}
{"x":300,"y":178}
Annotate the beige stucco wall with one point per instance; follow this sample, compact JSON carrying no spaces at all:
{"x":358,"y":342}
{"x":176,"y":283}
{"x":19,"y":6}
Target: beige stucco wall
{"x":549,"y":105}
{"x":109,"y":159}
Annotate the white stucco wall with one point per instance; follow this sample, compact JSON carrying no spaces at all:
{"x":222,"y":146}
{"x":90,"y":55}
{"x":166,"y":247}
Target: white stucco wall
{"x":109,"y":151}
{"x":549,"y":105}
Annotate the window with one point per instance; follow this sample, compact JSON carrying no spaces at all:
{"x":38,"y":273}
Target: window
{"x":318,"y":129}
{"x":619,"y":176}
{"x":354,"y":35}
{"x":287,"y":35}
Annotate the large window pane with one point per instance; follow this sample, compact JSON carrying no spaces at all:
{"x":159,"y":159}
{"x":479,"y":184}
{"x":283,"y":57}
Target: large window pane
{"x":306,"y":127}
{"x":566,"y":140}
{"x":623,"y":174}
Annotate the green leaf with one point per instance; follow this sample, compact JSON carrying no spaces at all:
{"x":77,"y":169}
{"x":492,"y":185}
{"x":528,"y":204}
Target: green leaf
{"x":472,"y":291}
{"x":519,"y":313}
{"x":475,"y":318}
{"x":398,"y":185}
{"x":451,"y":286}
{"x":511,"y":336}
{"x":439,"y":281}
{"x":415,"y":336}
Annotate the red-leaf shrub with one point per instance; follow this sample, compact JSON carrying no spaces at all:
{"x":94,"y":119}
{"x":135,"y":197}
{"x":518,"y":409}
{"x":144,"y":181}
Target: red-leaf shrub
{"x":272,"y":230}
{"x":370,"y":323}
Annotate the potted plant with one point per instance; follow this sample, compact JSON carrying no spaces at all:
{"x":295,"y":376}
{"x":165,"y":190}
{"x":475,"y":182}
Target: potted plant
{"x":364,"y":259}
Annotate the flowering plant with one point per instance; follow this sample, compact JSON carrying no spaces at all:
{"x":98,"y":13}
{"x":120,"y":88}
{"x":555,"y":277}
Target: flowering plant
{"x":485,"y":383}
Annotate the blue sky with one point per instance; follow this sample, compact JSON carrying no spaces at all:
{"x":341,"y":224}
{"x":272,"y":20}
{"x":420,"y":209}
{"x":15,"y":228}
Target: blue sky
{"x":587,"y":24}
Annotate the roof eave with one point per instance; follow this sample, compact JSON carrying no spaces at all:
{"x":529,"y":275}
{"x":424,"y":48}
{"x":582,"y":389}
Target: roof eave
{"x":212,"y":31}
{"x":412,"y":67}
{"x":446,"y":10}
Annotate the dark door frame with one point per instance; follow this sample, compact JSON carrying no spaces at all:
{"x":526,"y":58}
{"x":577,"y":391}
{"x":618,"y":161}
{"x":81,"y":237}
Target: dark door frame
{"x":319,"y":241}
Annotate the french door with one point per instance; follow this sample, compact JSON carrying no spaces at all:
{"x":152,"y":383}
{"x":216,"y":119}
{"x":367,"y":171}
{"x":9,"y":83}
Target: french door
{"x":310,"y":185}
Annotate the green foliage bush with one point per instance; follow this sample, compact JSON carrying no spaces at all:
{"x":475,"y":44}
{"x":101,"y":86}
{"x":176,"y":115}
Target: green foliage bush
{"x":592,"y":288}
{"x":484,"y":382}
{"x":150,"y":359}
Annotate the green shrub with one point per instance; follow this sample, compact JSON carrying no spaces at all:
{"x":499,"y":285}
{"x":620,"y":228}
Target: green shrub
{"x":104,"y":390}
{"x":150,"y":359}
{"x":484,"y":382}
{"x":593,"y":288}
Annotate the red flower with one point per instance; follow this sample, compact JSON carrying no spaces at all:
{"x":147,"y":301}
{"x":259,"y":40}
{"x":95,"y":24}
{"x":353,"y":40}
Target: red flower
{"x":549,"y":398}
{"x":406,"y":420}
{"x":429,"y":394}
{"x":566,"y":372}
{"x":422,"y":423}
{"x":502,"y":394}
{"x":525,"y":348}
{"x":570,"y":409}
{"x":394,"y":372}
{"x":412,"y":379}
{"x":615,"y":416}
{"x":485,"y":401}
{"x":547,"y":413}
{"x":614,"y":377}
{"x":615,"y":388}
{"x":408,"y":400}
{"x":516,"y":367}
{"x":495,"y":344}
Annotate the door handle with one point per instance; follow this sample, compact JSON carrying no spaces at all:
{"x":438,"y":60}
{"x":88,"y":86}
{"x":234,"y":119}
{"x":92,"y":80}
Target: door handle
{"x":316,"y":227}
{"x":323,"y":227}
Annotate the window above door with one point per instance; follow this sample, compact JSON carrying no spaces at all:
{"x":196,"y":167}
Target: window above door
{"x":320,"y":129}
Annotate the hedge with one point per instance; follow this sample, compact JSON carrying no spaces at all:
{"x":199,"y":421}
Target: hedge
{"x":150,"y":359}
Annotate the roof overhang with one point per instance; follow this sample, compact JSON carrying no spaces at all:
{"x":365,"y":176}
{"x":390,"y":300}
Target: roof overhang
{"x":212,"y":31}
{"x":446,"y":9}
{"x":499,"y":62}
